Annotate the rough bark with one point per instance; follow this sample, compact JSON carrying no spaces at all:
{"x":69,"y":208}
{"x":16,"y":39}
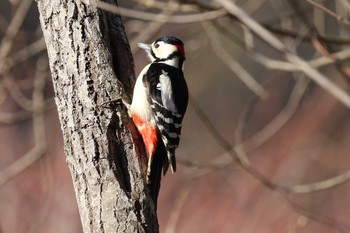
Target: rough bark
{"x":91,"y":64}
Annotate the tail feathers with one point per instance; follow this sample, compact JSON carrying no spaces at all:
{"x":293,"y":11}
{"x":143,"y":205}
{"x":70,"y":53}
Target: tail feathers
{"x":172,"y":160}
{"x":165,"y":166}
{"x":154,"y":173}
{"x":154,"y":183}
{"x":160,"y":160}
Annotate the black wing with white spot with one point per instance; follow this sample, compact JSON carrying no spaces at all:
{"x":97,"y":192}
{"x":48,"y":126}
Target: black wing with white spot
{"x":168,"y":97}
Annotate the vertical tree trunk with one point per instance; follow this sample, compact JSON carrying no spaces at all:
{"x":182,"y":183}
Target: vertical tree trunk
{"x":91,"y":64}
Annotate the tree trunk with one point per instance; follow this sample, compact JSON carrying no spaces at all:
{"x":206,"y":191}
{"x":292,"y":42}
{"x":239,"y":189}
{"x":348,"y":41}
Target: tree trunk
{"x":91,"y":64}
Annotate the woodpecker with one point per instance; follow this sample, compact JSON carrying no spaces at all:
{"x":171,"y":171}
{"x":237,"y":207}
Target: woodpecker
{"x":158,"y":106}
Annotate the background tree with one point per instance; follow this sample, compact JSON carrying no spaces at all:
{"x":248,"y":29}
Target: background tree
{"x":267,"y":125}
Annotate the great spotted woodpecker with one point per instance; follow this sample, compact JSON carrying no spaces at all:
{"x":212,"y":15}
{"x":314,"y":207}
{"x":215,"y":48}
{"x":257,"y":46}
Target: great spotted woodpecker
{"x":158,"y":106}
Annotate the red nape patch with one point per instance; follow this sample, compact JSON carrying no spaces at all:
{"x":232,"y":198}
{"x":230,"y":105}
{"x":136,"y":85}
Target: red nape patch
{"x":148,"y":133}
{"x":181,"y":49}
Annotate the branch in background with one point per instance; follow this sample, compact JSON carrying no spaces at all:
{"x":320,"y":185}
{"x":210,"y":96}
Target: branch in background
{"x":274,"y":64}
{"x":198,"y":17}
{"x":242,"y":158}
{"x":12,"y":30}
{"x":286,"y":66}
{"x":147,"y":32}
{"x":16,"y":117}
{"x":234,"y":66}
{"x":170,"y":6}
{"x":238,"y":154}
{"x":17,"y":95}
{"x":22,"y":55}
{"x":326,"y":38}
{"x":225,"y":160}
{"x":317,"y":42}
{"x":38,"y":126}
{"x":275,"y":43}
{"x":329,"y":12}
{"x":280,"y":119}
{"x":328,"y":221}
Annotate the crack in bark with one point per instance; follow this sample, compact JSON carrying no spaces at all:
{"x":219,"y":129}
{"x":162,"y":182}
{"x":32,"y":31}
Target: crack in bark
{"x":117,"y":160}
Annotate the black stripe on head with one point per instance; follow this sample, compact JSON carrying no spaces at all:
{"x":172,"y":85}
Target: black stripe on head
{"x":154,"y":55}
{"x":171,"y":56}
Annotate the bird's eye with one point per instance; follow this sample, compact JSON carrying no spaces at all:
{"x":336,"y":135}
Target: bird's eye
{"x":156,"y":45}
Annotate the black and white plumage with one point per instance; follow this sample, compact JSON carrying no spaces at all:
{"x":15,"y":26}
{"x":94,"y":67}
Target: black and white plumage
{"x":159,"y":103}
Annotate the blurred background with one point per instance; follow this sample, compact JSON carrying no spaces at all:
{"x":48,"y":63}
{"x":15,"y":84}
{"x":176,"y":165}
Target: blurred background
{"x":263,"y":148}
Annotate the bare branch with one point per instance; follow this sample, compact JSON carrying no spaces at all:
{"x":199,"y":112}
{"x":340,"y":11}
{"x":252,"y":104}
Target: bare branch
{"x":12,"y":30}
{"x":22,"y":55}
{"x":287,"y":66}
{"x":275,"y":43}
{"x":238,"y":154}
{"x":16,"y":117}
{"x":38,"y":126}
{"x":329,"y":221}
{"x":242,"y":158}
{"x":330,"y":39}
{"x":198,"y":17}
{"x":329,"y":12}
{"x":234,"y":66}
{"x":281,"y":118}
{"x":171,"y":6}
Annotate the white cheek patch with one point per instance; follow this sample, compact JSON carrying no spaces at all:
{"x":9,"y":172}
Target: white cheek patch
{"x":165,"y":88}
{"x":164,"y":50}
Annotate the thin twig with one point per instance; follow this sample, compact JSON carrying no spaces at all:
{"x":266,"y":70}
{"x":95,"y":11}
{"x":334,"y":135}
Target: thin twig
{"x":326,"y":38}
{"x":21,"y":164}
{"x":287,"y":66}
{"x":234,"y":66}
{"x":22,"y":55}
{"x":331,"y":222}
{"x":241,"y":156}
{"x":275,"y":43}
{"x":3,"y":93}
{"x":192,"y":18}
{"x":329,"y":12}
{"x":238,"y":154}
{"x":281,"y":118}
{"x":38,"y":126}
{"x":145,"y":35}
{"x":12,"y":30}
{"x":16,"y":94}
{"x":225,"y":160}
{"x":147,"y":32}
{"x":170,"y":6}
{"x":316,"y":40}
{"x":16,"y":117}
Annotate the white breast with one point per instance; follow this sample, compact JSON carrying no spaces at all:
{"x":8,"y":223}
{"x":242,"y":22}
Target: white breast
{"x":140,"y":104}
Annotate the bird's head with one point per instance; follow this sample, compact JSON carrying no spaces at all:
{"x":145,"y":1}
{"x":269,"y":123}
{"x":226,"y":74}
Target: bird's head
{"x":167,"y":49}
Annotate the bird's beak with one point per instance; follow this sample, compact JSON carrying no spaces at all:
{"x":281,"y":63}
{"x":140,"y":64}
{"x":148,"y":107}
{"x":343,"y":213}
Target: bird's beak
{"x":146,"y":47}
